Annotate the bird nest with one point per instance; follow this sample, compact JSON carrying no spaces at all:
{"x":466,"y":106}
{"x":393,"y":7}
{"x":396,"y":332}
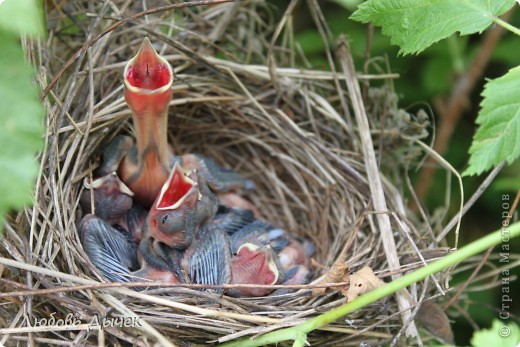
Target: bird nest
{"x":239,"y":100}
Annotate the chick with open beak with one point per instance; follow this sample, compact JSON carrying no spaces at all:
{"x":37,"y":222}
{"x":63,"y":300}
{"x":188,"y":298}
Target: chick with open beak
{"x":145,"y":166}
{"x":183,"y":205}
{"x":148,"y":79}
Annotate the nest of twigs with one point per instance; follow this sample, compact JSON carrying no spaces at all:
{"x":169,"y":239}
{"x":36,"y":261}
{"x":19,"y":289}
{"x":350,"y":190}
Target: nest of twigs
{"x":238,"y":100}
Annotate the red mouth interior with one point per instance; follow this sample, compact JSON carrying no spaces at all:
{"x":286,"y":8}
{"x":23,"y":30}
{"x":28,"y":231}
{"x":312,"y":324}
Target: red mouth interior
{"x":177,"y":188}
{"x":148,"y":72}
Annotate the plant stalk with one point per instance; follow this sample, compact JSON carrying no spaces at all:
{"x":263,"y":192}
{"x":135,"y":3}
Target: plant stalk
{"x":507,"y":26}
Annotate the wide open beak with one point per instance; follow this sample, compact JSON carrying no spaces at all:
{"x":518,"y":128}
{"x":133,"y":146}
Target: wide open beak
{"x":177,"y":191}
{"x":148,"y":79}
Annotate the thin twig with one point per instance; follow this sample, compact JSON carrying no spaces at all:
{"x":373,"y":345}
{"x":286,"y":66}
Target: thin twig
{"x":468,"y":281}
{"x":480,"y":190}
{"x":99,"y":286}
{"x":484,"y":257}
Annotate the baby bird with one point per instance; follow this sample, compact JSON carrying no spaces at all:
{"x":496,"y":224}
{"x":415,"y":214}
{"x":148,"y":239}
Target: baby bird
{"x":110,"y":251}
{"x":183,"y":205}
{"x":116,"y":256}
{"x":254,"y":264}
{"x":112,"y":198}
{"x":292,"y":254}
{"x":145,"y":166}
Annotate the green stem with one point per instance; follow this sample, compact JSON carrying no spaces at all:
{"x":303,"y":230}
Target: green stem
{"x":295,"y":332}
{"x":507,"y":26}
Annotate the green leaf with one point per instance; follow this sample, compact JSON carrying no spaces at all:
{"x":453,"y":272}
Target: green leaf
{"x":20,"y":124}
{"x":416,"y":24}
{"x":498,"y":137}
{"x":22,"y":16}
{"x":500,"y":334}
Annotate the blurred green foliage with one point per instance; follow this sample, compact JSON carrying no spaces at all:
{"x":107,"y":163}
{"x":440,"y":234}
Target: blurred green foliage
{"x":22,"y":17}
{"x":21,"y":121}
{"x":503,"y":335}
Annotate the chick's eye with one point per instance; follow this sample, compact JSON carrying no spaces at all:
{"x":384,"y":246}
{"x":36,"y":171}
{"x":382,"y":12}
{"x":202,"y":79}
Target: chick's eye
{"x":164,"y":219}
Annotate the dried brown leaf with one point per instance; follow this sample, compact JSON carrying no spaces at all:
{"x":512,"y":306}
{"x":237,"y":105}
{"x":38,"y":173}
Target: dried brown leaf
{"x":436,"y":321}
{"x":336,"y":274}
{"x":361,"y":282}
